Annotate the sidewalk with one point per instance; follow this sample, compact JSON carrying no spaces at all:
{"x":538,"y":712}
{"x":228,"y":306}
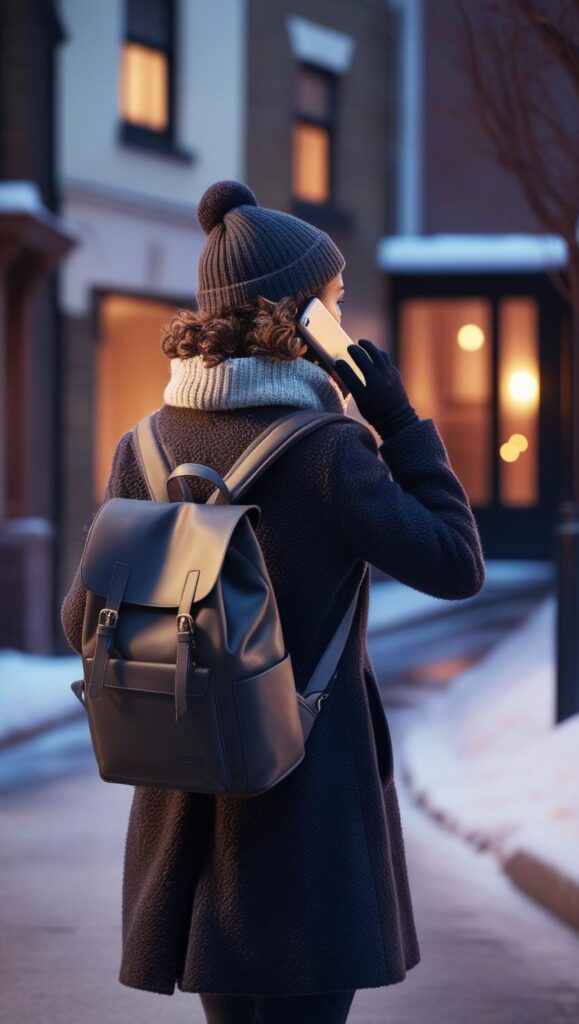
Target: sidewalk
{"x":486,"y":760}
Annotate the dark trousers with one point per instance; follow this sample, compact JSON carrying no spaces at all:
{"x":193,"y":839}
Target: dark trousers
{"x":321,"y":1008}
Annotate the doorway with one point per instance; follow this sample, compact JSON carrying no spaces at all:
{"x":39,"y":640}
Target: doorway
{"x":131,"y":372}
{"x":480,"y":356}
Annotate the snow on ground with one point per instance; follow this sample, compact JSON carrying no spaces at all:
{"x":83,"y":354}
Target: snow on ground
{"x":394,"y":604}
{"x":487,"y":758}
{"x":35,"y":690}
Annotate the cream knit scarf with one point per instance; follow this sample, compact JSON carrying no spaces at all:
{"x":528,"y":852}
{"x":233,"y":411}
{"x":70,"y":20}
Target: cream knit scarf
{"x":250,"y":381}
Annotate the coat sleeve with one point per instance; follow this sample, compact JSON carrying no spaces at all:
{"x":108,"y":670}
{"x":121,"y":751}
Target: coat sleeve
{"x":72,"y":608}
{"x":406,"y":512}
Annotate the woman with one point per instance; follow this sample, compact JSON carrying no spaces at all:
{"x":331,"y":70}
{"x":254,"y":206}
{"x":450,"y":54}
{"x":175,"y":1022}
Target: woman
{"x":279,"y":907}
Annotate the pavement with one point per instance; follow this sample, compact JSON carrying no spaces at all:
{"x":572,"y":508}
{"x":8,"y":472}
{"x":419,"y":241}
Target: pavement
{"x":489,"y":952}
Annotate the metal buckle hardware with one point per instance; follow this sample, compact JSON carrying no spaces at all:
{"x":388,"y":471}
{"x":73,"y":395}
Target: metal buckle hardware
{"x":183,"y":618}
{"x":322,"y":697}
{"x":111,"y":617}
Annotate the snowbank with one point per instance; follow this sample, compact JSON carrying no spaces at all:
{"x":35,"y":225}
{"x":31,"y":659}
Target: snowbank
{"x":35,"y":692}
{"x":486,"y":758}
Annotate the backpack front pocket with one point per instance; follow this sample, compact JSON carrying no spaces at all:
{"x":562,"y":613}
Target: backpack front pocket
{"x":137,"y":739}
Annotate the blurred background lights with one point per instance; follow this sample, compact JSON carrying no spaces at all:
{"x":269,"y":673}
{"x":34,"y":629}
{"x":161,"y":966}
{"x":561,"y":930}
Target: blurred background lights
{"x":511,"y":449}
{"x":523,"y":387}
{"x":470,"y":337}
{"x":519,"y":441}
{"x":508,"y":452}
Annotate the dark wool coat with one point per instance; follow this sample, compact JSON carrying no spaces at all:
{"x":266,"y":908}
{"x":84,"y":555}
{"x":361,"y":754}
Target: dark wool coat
{"x":302,"y":889}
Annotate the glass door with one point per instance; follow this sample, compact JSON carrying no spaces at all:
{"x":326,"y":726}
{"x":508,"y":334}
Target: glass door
{"x":445,"y":358}
{"x":484,"y":364}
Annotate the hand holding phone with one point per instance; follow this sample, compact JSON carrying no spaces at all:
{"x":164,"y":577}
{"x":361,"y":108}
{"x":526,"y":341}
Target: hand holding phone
{"x":382,"y":399}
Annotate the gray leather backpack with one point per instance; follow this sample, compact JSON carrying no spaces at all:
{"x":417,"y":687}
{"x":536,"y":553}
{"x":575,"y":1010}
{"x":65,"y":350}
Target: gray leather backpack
{"x":187,"y":682}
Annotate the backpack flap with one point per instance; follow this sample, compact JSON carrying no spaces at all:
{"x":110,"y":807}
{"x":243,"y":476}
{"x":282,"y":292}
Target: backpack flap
{"x":161,"y":542}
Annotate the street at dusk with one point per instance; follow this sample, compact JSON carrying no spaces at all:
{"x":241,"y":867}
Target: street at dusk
{"x":289,"y":512}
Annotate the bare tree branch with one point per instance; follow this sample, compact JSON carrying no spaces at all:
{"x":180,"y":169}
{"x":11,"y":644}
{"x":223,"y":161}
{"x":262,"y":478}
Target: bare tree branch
{"x":562,"y":46}
{"x":509,"y":53}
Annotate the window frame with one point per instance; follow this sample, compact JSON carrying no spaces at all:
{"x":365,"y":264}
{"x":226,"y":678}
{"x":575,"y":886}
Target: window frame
{"x":163,"y":142}
{"x":327,"y":211}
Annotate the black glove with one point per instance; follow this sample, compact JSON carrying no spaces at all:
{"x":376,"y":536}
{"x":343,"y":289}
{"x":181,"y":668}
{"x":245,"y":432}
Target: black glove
{"x":383,"y":401}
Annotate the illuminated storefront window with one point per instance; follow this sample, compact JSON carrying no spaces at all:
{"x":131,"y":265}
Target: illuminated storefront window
{"x":446,"y":363}
{"x":519,"y":395}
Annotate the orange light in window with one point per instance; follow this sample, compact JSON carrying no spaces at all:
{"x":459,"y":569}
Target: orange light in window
{"x":523,"y":387}
{"x":144,"y":87}
{"x":508,"y":452}
{"x":519,"y":441}
{"x":310,"y":163}
{"x":470,"y":337}
{"x":518,"y":400}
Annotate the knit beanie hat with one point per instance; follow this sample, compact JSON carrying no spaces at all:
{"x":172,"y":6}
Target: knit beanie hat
{"x":251,"y":250}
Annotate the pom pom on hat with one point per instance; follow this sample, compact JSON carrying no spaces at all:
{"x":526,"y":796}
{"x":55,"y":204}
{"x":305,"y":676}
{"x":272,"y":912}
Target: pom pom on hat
{"x":221,"y":197}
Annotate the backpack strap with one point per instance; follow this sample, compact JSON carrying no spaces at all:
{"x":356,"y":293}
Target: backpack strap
{"x":152,"y":458}
{"x":270,"y":444}
{"x":316,"y":689}
{"x":263,"y":451}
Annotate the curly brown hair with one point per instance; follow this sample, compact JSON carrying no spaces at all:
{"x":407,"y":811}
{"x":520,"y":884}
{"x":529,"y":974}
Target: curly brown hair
{"x":261,"y":328}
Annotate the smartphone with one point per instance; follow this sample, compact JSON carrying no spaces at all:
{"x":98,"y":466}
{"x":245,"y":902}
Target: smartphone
{"x":326,"y":337}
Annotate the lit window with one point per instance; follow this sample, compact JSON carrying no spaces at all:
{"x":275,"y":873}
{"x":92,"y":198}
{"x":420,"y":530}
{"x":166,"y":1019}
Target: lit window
{"x":447,"y":351}
{"x":445,"y":359}
{"x":147,"y":73}
{"x":311,"y":163}
{"x":519,"y":399}
{"x":144,"y":87}
{"x":312,"y":136}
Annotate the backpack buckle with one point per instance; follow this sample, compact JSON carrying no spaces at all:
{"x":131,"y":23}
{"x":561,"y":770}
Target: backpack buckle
{"x":108,"y":617}
{"x":322,"y":697}
{"x":186,"y":624}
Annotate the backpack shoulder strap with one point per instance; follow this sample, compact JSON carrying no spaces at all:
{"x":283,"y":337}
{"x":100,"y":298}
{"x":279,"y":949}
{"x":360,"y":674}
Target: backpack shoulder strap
{"x":152,"y":457}
{"x":263,"y":451}
{"x":323,"y":673}
{"x":270,"y":444}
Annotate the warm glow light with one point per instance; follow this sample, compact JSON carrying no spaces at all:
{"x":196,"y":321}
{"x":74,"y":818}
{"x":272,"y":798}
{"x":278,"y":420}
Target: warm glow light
{"x":144,"y":87}
{"x":311,"y":159}
{"x":508,"y":452}
{"x":470,"y":337}
{"x":523,"y":387}
{"x":519,"y":441}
